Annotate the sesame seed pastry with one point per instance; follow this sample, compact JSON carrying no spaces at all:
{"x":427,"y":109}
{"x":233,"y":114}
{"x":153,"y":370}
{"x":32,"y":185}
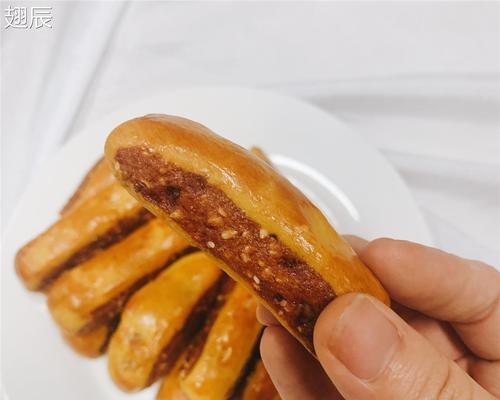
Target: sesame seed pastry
{"x":102,"y":220}
{"x":215,"y":372}
{"x":267,"y":235}
{"x":94,"y":293}
{"x":160,"y":319}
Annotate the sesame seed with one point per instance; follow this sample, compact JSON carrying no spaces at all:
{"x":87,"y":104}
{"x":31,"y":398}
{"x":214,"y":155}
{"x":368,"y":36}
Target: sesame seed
{"x":228,"y":234}
{"x":299,"y":328}
{"x":256,"y":279}
{"x":210,"y":244}
{"x":245,"y":257}
{"x":263,"y":233}
{"x":215,"y":220}
{"x":221,"y":212}
{"x":283,"y":303}
{"x":261,"y":263}
{"x":176,"y":214}
{"x":227,"y":354}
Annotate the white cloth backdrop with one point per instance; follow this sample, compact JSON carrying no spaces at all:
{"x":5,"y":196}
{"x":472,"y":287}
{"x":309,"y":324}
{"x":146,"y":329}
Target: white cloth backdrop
{"x":418,"y":80}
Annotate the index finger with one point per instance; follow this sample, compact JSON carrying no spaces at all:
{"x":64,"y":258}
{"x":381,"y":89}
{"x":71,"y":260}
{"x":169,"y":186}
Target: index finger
{"x":464,"y":292}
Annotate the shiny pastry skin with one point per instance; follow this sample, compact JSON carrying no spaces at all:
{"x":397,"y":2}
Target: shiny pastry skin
{"x":80,"y":299}
{"x":75,"y":237}
{"x":265,"y":197}
{"x":154,"y":316}
{"x":98,"y":178}
{"x":227,"y":349}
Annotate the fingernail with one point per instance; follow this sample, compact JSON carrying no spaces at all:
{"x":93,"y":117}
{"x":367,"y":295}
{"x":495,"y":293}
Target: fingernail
{"x":364,"y":339}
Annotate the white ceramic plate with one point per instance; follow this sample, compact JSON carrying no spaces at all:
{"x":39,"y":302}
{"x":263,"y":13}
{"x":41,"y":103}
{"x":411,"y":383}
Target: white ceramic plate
{"x":353,"y":184}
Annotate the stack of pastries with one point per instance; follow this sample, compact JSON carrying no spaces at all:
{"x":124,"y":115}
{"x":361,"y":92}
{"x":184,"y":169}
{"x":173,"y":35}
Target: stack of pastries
{"x":119,"y":280}
{"x":132,"y":280}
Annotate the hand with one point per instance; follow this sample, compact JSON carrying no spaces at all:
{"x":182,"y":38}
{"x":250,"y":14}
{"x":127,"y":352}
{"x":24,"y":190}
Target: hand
{"x":441,"y":340}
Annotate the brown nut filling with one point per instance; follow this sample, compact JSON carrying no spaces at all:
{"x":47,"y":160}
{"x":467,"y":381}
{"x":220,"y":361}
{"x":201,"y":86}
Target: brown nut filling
{"x":295,"y":291}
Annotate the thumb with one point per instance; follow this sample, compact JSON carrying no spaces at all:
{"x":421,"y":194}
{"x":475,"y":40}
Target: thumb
{"x":369,"y":352}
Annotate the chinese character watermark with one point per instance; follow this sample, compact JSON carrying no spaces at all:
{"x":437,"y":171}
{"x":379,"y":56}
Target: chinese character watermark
{"x":20,"y":18}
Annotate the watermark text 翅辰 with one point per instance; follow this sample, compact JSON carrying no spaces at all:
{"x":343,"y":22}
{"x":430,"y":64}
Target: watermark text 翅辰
{"x":28,"y":17}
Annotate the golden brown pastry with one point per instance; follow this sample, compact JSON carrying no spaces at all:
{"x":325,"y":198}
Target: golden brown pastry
{"x":92,"y":294}
{"x":214,"y":373}
{"x":265,"y":232}
{"x":91,"y":344}
{"x":95,"y":225}
{"x":160,"y":320}
{"x":98,"y":178}
{"x":218,"y":359}
{"x":170,"y":388}
{"x":258,"y":385}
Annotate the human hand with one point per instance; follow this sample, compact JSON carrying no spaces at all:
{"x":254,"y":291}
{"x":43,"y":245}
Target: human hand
{"x":441,"y":340}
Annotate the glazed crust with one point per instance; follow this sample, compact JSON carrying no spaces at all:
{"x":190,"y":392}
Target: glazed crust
{"x":93,"y":294}
{"x":99,"y":222}
{"x":227,"y":349}
{"x":297,"y":263}
{"x":98,"y":178}
{"x":160,"y":319}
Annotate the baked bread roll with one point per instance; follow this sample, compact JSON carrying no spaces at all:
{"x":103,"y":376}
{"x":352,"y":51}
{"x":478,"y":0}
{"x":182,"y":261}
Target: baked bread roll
{"x":267,"y":235}
{"x":220,"y":362}
{"x":99,"y":222}
{"x":160,"y":319}
{"x":98,"y":178}
{"x":94,"y":293}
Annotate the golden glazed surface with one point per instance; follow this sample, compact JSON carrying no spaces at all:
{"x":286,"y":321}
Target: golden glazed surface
{"x":75,"y":237}
{"x":93,"y":293}
{"x":158,"y":317}
{"x":227,"y":349}
{"x":145,"y":147}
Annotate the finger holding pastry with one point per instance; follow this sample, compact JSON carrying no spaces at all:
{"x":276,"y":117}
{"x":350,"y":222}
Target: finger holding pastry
{"x":265,"y":232}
